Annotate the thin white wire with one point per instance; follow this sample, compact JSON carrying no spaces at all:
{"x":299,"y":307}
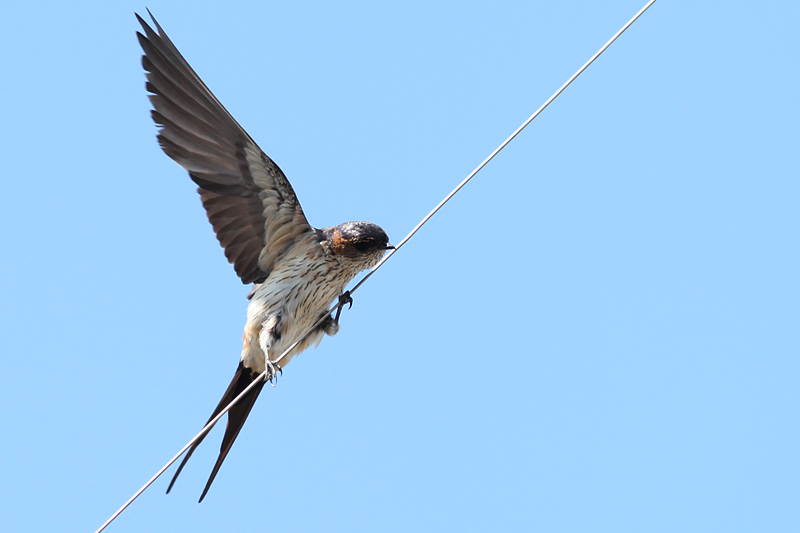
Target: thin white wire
{"x":265,"y":375}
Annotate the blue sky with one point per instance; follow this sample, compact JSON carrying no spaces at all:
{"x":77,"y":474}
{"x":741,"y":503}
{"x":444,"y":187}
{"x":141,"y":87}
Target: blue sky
{"x":600,"y":333}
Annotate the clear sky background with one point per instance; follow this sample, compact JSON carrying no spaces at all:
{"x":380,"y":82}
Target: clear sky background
{"x":601,"y":333}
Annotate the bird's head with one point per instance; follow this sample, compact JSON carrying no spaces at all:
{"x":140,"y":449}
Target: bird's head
{"x":358,"y":244}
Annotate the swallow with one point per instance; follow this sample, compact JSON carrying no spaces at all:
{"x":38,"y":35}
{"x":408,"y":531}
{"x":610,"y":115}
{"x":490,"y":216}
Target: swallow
{"x":297,"y":271}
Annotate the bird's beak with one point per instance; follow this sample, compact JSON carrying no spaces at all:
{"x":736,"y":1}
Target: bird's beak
{"x":389,"y":247}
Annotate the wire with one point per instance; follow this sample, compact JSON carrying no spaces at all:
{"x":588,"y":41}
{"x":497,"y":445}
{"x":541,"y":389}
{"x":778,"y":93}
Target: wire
{"x":503,"y":145}
{"x":266,"y":375}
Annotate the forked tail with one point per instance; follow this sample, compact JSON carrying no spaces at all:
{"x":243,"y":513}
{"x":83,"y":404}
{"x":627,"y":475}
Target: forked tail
{"x":236,"y":418}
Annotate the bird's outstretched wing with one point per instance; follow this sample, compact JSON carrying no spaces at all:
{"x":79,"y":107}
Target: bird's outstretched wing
{"x":250,"y":203}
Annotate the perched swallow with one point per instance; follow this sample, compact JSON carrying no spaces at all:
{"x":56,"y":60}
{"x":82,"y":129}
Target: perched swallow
{"x":297,"y":270}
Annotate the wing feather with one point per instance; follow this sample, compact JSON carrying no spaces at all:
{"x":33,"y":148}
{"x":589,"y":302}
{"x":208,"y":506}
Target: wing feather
{"x":251,"y":205}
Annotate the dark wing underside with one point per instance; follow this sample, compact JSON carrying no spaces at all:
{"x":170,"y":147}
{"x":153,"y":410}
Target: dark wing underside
{"x":250,"y":203}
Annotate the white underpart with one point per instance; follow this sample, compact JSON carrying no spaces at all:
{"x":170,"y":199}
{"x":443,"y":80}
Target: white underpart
{"x":292,"y":299}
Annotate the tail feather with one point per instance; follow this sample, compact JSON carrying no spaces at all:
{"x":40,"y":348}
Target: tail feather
{"x":237,"y":416}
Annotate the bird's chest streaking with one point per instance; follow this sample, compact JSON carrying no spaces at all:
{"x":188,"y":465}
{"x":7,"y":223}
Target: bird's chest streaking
{"x":295,"y":295}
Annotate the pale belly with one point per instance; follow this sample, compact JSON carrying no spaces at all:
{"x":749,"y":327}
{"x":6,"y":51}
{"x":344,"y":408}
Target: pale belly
{"x":292,"y":299}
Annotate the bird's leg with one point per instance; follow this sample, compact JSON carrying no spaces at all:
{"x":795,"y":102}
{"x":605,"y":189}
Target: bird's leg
{"x":274,"y":369}
{"x":344,"y":299}
{"x":331,"y":324}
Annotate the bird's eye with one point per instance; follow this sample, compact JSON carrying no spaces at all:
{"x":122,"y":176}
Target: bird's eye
{"x":363,"y":246}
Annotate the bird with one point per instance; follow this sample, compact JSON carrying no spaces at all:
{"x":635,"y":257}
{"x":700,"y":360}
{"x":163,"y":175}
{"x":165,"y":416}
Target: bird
{"x":297,"y":270}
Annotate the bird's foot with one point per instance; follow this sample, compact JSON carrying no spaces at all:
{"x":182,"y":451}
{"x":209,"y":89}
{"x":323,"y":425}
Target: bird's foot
{"x":344,"y":299}
{"x":274,"y":370}
{"x":330,"y":327}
